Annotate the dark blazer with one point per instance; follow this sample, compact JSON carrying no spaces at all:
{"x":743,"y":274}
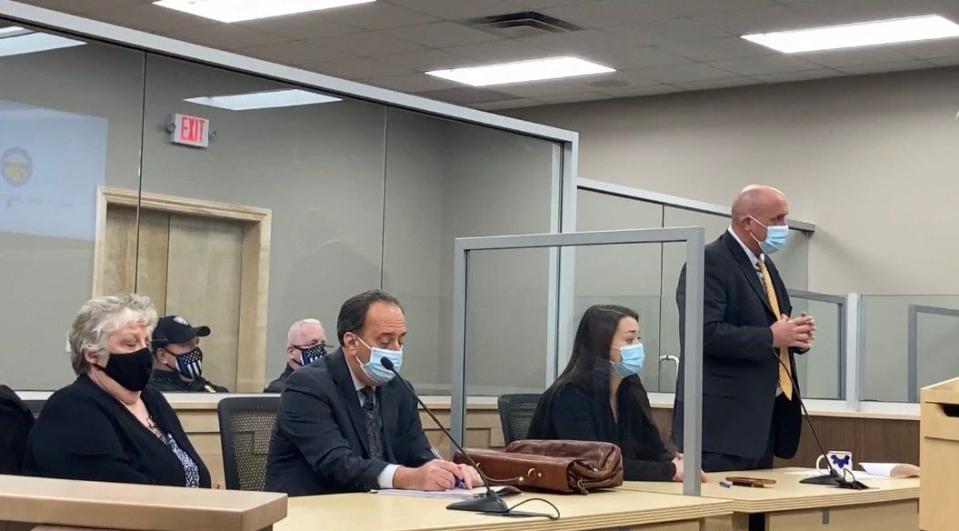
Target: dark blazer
{"x":15,"y":423}
{"x":319,"y":443}
{"x":84,"y":433}
{"x":581,"y":411}
{"x":278,"y":385}
{"x":740,"y":365}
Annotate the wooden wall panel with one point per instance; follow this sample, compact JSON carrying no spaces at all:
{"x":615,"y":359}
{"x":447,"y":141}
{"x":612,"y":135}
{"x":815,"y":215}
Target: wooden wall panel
{"x":869,"y":439}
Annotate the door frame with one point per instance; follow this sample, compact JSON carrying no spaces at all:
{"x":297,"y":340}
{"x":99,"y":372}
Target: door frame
{"x":255,"y":266}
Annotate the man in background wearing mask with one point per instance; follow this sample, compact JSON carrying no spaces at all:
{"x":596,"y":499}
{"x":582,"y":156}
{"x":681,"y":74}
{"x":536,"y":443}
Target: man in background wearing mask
{"x":751,"y":409}
{"x":305,"y":343}
{"x":345,"y":424}
{"x":179,"y":360}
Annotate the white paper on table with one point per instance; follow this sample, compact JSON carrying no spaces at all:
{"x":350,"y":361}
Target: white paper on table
{"x":879,"y":469}
{"x":453,"y":494}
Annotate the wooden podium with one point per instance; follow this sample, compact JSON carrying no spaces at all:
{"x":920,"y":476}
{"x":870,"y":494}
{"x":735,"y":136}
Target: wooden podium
{"x":939,"y":456}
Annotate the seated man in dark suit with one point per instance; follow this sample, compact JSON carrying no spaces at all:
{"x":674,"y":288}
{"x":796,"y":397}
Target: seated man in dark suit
{"x":346,"y":425}
{"x":305,"y":342}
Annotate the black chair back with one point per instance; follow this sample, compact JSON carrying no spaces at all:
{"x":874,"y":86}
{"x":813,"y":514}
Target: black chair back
{"x":15,"y":425}
{"x":246,"y":425}
{"x":516,"y":414}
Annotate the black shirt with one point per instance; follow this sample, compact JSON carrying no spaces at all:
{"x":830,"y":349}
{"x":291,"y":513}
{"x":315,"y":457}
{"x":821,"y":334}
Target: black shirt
{"x":170,"y":382}
{"x":581,"y":411}
{"x":278,"y":385}
{"x":86,"y":434}
{"x":15,"y":423}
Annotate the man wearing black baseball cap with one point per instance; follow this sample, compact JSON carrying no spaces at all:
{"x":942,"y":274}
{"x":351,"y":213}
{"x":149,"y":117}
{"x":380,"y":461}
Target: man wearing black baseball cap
{"x":179,"y":360}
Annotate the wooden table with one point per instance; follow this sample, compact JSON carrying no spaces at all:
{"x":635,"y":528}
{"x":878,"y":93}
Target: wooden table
{"x":26,"y":501}
{"x":891,"y":505}
{"x":614,"y":509}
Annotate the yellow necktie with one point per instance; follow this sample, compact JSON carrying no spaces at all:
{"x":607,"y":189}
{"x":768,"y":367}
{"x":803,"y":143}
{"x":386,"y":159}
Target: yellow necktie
{"x":785,"y":380}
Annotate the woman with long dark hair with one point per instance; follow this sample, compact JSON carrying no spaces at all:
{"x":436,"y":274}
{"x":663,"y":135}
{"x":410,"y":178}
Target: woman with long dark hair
{"x":599,"y":396}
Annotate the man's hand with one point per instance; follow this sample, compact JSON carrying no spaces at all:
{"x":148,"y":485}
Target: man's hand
{"x":437,"y":474}
{"x":470,"y":476}
{"x":680,"y":467}
{"x":798,"y":332}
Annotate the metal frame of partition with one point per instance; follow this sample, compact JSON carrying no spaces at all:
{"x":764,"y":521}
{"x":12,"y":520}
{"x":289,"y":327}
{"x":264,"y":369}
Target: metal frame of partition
{"x":913,"y":340}
{"x":693,"y":237}
{"x":841,"y":318}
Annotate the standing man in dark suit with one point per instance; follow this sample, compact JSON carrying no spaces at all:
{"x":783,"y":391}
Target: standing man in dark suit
{"x":751,"y":409}
{"x":346,"y":425}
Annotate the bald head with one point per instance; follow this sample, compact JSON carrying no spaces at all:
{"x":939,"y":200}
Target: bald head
{"x":755,"y":208}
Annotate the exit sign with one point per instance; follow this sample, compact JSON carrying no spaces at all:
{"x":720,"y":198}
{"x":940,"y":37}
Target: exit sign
{"x":190,"y":130}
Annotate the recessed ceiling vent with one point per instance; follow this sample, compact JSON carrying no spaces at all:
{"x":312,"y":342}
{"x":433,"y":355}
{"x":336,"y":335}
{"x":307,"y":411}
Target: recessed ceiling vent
{"x":521,"y":24}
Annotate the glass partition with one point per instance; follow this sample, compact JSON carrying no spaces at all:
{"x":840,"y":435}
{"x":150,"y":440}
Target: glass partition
{"x":70,"y":123}
{"x":821,"y":371}
{"x":445,"y":180}
{"x":886,"y":349}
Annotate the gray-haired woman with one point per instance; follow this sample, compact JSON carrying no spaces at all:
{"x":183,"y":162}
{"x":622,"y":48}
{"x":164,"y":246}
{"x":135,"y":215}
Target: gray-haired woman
{"x":108,"y":425}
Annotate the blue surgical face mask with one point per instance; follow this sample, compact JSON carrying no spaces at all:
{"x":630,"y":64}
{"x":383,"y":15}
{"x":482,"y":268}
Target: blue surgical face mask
{"x":776,"y":236}
{"x":374,"y":369}
{"x":632,"y":360}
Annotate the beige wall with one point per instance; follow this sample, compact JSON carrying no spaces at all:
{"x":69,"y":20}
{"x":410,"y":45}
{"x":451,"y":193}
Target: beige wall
{"x":871,"y":160}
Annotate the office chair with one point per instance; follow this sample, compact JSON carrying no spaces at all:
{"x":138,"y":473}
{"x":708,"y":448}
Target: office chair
{"x":516,"y":414}
{"x":246,"y":425}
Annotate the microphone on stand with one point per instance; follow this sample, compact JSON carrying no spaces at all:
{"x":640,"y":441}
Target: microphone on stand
{"x":490,"y":502}
{"x":833,"y":478}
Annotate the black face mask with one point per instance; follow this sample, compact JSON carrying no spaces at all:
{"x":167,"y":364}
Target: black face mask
{"x":132,"y":370}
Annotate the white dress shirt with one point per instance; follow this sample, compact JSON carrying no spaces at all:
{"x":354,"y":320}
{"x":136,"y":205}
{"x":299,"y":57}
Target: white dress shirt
{"x":385,"y":479}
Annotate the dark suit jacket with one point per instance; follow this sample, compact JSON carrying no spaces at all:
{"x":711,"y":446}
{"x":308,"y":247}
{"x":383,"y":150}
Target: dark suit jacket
{"x":580,"y":411}
{"x":278,"y":385}
{"x":740,"y":367}
{"x":319,"y":443}
{"x":84,"y":433}
{"x":15,"y":423}
{"x":170,"y":382}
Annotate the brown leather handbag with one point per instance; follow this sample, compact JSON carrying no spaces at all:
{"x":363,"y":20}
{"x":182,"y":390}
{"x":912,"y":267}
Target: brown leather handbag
{"x":551,"y":465}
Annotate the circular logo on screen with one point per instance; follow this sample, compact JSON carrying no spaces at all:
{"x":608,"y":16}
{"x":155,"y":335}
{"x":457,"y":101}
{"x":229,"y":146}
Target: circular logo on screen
{"x":16,"y":166}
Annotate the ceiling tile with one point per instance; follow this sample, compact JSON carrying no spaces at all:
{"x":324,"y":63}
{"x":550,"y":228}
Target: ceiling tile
{"x":505,"y":104}
{"x":466,"y":95}
{"x":832,"y":12}
{"x":442,"y":35}
{"x":944,"y":61}
{"x":294,"y":53}
{"x":224,"y":36}
{"x":717,"y":83}
{"x":147,"y":17}
{"x":426,"y":60}
{"x":875,"y":68}
{"x":411,"y":82}
{"x":453,"y":10}
{"x":505,"y":50}
{"x":377,"y":16}
{"x":304,"y":26}
{"x":765,"y":64}
{"x":798,"y":76}
{"x":931,"y":49}
{"x":716,"y":49}
{"x":587,"y":40}
{"x":641,"y":91}
{"x":572,"y":98}
{"x":73,"y":6}
{"x":683,"y":73}
{"x":536,"y":4}
{"x":855,"y":56}
{"x":689,"y":8}
{"x":638,"y":58}
{"x":544,"y":88}
{"x":743,"y":22}
{"x":358,"y":68}
{"x":670,"y":31}
{"x":367,"y":44}
{"x":610,"y":13}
